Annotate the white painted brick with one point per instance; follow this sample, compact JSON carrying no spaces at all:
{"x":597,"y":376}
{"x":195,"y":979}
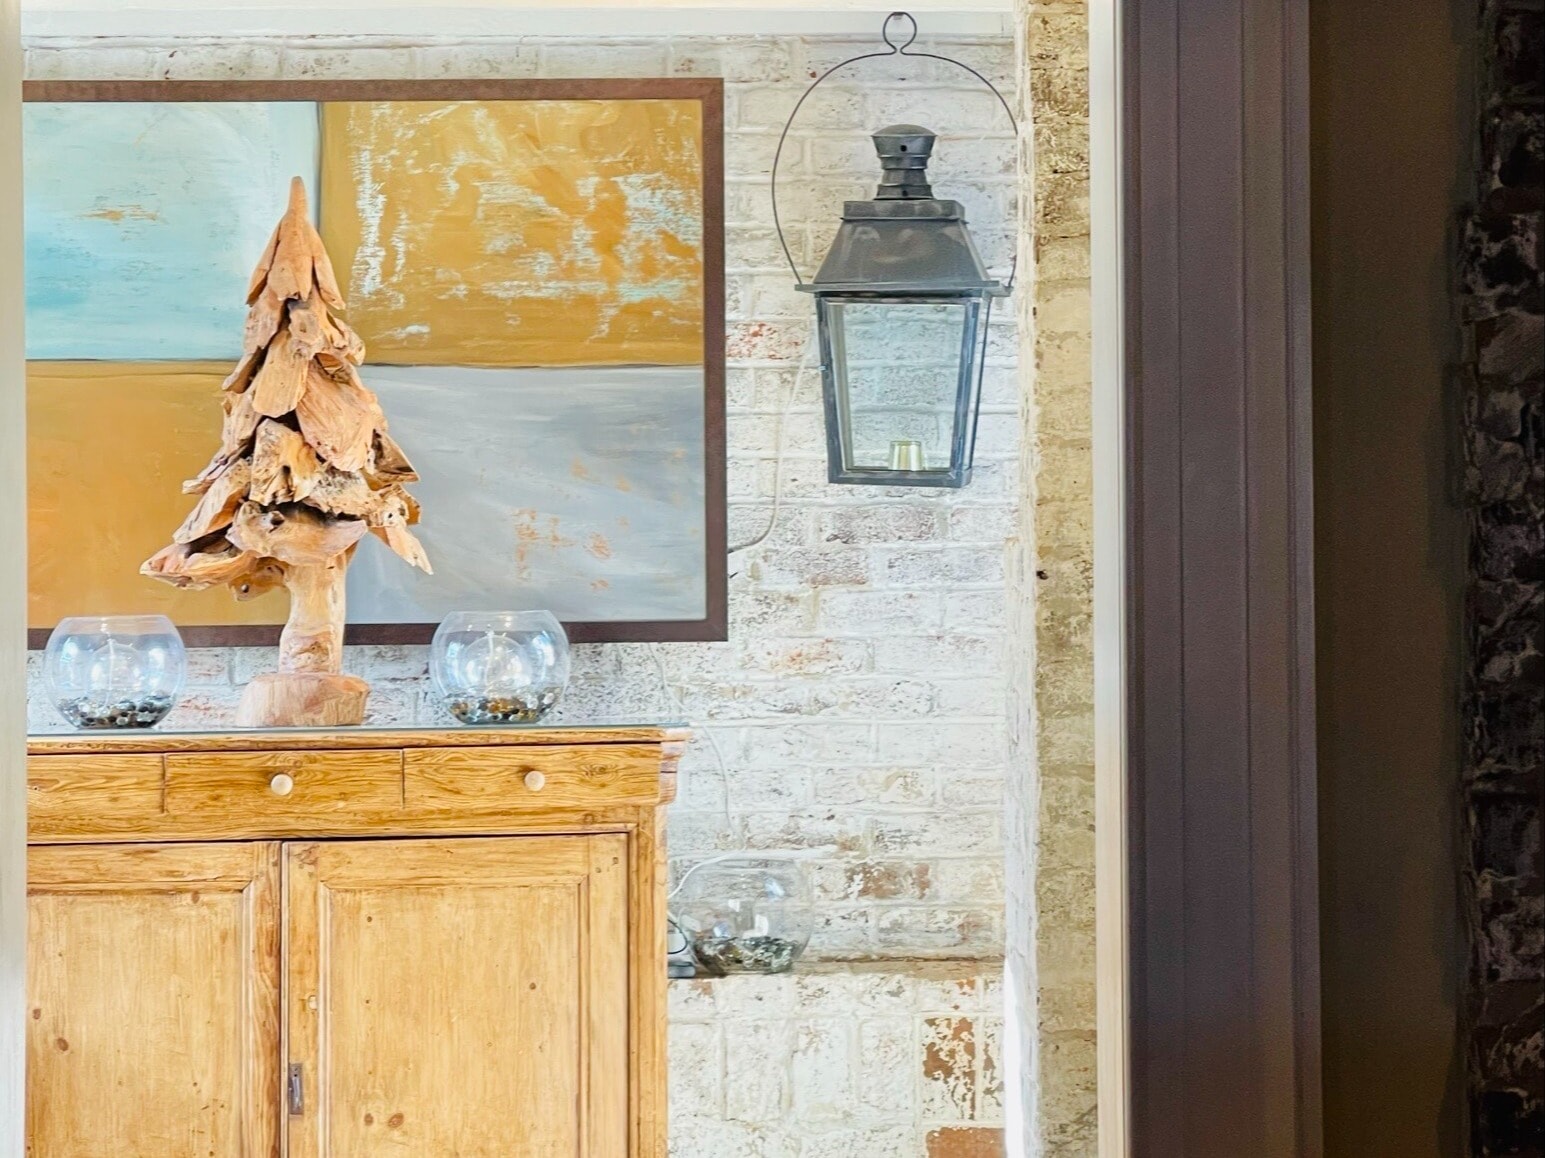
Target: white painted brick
{"x":347,"y":62}
{"x":701,"y":790}
{"x":802,"y":568}
{"x":696,"y":1069}
{"x":692,"y":1000}
{"x":971,"y":697}
{"x":495,"y":59}
{"x":812,"y":657}
{"x":877,"y":1142}
{"x":951,"y":744}
{"x":767,"y":340}
{"x":589,"y":57}
{"x":842,"y":933}
{"x":867,"y":991}
{"x":956,"y":653}
{"x":757,"y":996}
{"x":952,"y":833}
{"x":858,"y":882}
{"x":757,"y":248}
{"x":697,"y":1137}
{"x":967,"y":880}
{"x":951,"y":567}
{"x":811,"y":828}
{"x":758,"y":790}
{"x":699,"y":833}
{"x":749,"y":477}
{"x":804,"y":742}
{"x":966,"y":789}
{"x":937,"y":931}
{"x":965,"y":122}
{"x":771,"y":612}
{"x":876,"y":612}
{"x":780,"y":388}
{"x":888,"y":1057}
{"x":746,"y":61}
{"x":993,"y":524}
{"x":810,"y":699}
{"x":111,"y":62}
{"x":878,"y":524}
{"x":836,"y":671}
{"x":756,"y":1069}
{"x":225,"y":61}
{"x":958,"y":992}
{"x":825,"y":1065}
{"x":751,"y":155}
{"x":975,"y":611}
{"x":209,"y":665}
{"x":870,"y":787}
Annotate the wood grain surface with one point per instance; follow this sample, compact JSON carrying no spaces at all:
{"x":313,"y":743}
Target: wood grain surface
{"x":483,"y":976}
{"x":459,"y":997}
{"x":153,"y":1001}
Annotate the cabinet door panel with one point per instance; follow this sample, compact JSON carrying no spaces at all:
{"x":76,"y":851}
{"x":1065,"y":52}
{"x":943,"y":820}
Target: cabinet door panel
{"x":153,"y":1020}
{"x":460,"y":997}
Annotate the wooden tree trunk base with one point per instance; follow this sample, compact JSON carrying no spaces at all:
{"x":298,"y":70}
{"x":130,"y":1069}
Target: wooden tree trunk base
{"x":302,"y":700}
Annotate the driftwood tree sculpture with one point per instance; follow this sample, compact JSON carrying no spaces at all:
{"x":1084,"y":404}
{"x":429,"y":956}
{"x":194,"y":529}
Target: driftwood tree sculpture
{"x":305,"y":468}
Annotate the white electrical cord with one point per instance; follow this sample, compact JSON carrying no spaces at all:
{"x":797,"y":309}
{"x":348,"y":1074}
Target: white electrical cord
{"x":784,"y":405}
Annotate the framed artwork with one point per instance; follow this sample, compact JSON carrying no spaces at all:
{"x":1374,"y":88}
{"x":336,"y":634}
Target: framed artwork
{"x":536,"y":269}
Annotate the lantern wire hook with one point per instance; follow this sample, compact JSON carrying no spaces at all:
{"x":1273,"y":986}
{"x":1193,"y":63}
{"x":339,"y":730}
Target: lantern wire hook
{"x":891,"y":49}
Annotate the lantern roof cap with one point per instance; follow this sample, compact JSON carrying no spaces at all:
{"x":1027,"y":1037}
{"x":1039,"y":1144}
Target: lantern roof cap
{"x":905,"y":240}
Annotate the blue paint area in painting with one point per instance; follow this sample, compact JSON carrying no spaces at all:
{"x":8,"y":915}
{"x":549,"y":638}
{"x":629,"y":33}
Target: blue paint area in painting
{"x":144,"y":220}
{"x":576,"y":490}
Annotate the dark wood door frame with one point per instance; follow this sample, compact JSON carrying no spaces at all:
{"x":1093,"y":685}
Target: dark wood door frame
{"x":1223,"y":990}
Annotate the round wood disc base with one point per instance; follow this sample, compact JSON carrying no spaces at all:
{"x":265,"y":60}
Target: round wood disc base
{"x":302,"y":700}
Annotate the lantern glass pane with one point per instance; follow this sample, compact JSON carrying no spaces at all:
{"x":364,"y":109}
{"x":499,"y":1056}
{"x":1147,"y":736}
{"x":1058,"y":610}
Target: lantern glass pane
{"x":896,"y":367}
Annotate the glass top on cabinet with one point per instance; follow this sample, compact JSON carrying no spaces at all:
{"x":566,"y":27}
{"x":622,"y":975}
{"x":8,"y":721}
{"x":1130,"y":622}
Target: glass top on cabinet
{"x":614,"y":730}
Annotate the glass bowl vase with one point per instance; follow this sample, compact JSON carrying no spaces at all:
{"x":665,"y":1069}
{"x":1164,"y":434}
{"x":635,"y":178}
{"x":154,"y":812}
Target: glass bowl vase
{"x":115,"y":671}
{"x":499,"y":667}
{"x":745,"y":914}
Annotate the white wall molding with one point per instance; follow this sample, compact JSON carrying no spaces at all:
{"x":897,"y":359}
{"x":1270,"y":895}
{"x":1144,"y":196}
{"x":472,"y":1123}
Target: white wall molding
{"x":488,"y":18}
{"x":13,"y":603}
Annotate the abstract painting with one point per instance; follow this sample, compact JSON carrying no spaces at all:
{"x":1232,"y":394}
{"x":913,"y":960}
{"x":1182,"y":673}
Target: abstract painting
{"x":538,"y":281}
{"x":129,"y":204}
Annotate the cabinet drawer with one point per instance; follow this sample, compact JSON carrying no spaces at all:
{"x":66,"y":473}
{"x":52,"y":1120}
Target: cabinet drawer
{"x":530,"y":778}
{"x":87,"y":795}
{"x":254,"y":789}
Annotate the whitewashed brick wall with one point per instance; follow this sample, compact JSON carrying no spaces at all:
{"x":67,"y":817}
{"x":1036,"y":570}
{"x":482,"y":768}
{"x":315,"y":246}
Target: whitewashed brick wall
{"x":860,"y":702}
{"x":839,"y":1063}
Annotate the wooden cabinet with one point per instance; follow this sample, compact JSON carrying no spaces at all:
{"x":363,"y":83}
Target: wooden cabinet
{"x":153,"y":1000}
{"x":513,"y":950}
{"x":420,"y":943}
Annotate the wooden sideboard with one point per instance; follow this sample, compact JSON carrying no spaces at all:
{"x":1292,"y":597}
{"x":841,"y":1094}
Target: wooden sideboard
{"x":417,"y":943}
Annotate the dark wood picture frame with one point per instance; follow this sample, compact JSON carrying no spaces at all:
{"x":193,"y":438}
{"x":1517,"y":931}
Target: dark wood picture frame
{"x":709,"y":92}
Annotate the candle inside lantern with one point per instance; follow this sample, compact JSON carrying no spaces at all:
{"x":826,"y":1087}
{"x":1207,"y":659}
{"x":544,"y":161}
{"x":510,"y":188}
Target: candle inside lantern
{"x":906,"y":454}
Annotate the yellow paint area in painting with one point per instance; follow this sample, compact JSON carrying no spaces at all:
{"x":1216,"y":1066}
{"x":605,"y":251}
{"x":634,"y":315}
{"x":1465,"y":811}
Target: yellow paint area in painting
{"x":518,"y":233}
{"x":108,"y":445}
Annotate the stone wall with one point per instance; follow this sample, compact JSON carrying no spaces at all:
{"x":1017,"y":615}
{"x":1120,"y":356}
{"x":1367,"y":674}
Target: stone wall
{"x":1050,"y":968}
{"x":859,"y":707}
{"x":1504,"y":725}
{"x":840,"y":1062}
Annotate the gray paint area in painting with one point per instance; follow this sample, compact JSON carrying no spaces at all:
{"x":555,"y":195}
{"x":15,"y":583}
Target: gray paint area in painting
{"x":577,"y":490}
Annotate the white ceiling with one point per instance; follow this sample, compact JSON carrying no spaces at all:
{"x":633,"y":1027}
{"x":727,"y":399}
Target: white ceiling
{"x":498,"y":17}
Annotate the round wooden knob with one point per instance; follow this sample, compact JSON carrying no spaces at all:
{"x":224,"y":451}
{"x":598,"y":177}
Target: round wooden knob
{"x":282,"y":784}
{"x":535,"y":781}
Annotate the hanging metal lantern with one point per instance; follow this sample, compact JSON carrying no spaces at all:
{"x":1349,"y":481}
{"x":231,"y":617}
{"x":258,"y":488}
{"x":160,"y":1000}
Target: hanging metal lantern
{"x":903,"y":302}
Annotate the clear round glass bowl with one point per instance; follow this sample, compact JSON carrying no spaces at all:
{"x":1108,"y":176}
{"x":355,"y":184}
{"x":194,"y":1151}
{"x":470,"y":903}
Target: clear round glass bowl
{"x":499,"y":667}
{"x":746,"y":914}
{"x":115,"y":671}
